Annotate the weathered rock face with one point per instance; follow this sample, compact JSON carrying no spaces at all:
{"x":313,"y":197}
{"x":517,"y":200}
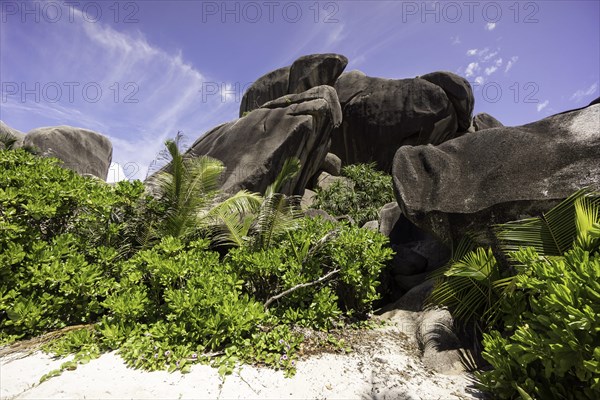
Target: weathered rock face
{"x":255,"y":147}
{"x":485,"y":121}
{"x":459,"y":92}
{"x":315,"y":70}
{"x":268,"y":87}
{"x":499,"y":174}
{"x":11,"y":132}
{"x":82,"y":150}
{"x":332,"y":164}
{"x":380,"y":115}
{"x":305,"y":73}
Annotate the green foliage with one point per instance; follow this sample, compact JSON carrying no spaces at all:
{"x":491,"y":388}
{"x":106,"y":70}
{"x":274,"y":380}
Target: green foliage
{"x":60,"y":234}
{"x":368,"y":191}
{"x":473,"y":283}
{"x":547,"y":340}
{"x":551,"y":349}
{"x":353,"y":256}
{"x":95,"y":263}
{"x":189,"y":191}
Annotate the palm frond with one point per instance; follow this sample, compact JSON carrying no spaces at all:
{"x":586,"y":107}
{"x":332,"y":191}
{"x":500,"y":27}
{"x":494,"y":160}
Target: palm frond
{"x":553,"y":233}
{"x":277,"y":215}
{"x":290,"y":168}
{"x":230,"y":220}
{"x":587,"y":221}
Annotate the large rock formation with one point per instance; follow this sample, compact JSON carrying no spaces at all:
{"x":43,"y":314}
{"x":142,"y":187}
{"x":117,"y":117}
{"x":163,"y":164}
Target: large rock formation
{"x":380,"y":115}
{"x":305,"y":73}
{"x":315,"y":70}
{"x":499,"y":174}
{"x":254,"y":148}
{"x":270,"y":86}
{"x":82,"y":150}
{"x":459,"y":92}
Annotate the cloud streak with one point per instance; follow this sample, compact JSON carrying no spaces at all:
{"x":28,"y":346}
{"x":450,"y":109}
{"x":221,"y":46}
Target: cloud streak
{"x":138,"y":94}
{"x":583,"y":93}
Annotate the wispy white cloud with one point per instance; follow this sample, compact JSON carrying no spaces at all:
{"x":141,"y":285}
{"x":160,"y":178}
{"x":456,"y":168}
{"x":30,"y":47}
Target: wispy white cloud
{"x":471,"y":69}
{"x":490,"y":70}
{"x":543,"y":105}
{"x":455,"y":40}
{"x":582,"y":93}
{"x":490,"y":26}
{"x":147,"y":93}
{"x":511,"y":63}
{"x":336,"y":35}
{"x":479,"y":80}
{"x":472,"y":52}
{"x":489,"y":56}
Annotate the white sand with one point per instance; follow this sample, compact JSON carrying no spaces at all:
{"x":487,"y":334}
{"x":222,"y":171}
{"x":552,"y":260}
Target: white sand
{"x":381,"y":369}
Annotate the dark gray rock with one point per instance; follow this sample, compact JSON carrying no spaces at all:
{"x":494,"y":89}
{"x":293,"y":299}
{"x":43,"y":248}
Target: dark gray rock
{"x":439,"y":342}
{"x":407,"y":262}
{"x":82,"y":150}
{"x":255,"y":147}
{"x":325,"y":180}
{"x":305,"y":73}
{"x":499,"y":174}
{"x":388,"y":217}
{"x":380,"y":115}
{"x":308,"y":199}
{"x":268,"y":87}
{"x":18,"y":136}
{"x":332,"y":164}
{"x":315,"y":70}
{"x":485,"y":121}
{"x":459,"y":92}
{"x":372,"y":225}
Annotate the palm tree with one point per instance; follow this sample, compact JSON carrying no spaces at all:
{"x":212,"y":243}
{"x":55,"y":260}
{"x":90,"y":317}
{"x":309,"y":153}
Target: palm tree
{"x":190,"y":189}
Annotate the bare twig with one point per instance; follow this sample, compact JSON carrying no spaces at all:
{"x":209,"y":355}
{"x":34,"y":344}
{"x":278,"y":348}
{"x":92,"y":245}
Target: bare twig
{"x":321,"y":242}
{"x":300,"y":286}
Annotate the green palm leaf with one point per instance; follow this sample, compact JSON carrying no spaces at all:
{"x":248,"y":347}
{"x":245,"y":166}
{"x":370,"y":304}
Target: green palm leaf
{"x":231,"y":219}
{"x":554,"y":232}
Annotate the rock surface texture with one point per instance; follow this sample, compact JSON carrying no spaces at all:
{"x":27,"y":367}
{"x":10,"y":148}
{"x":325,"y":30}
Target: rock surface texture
{"x":82,"y":150}
{"x":255,"y":147}
{"x":499,"y":174}
{"x":380,"y":115}
{"x":485,"y":121}
{"x":305,"y":73}
{"x":11,"y":132}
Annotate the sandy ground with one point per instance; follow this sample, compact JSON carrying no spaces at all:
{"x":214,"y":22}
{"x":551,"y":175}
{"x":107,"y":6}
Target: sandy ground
{"x":384,"y":365}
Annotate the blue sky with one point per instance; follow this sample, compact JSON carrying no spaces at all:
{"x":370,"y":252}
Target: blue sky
{"x":140,"y":71}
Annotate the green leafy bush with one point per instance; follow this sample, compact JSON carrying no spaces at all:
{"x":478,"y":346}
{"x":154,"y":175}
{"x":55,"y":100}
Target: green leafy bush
{"x":81,"y":258}
{"x":551,"y":347}
{"x":60,"y":234}
{"x":540,"y":307}
{"x":350,"y":258}
{"x":369,"y":190}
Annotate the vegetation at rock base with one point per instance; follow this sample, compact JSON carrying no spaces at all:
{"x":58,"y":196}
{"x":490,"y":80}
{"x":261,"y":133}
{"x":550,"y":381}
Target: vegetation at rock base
{"x":170,"y":281}
{"x":114,"y":268}
{"x":368,"y":191}
{"x":541,"y":315}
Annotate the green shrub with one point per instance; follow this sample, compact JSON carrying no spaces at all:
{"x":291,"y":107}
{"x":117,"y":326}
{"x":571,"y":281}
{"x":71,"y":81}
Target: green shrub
{"x":74,"y":257}
{"x":362,"y":199}
{"x":354,"y":257}
{"x":551,"y":348}
{"x":60,"y":234}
